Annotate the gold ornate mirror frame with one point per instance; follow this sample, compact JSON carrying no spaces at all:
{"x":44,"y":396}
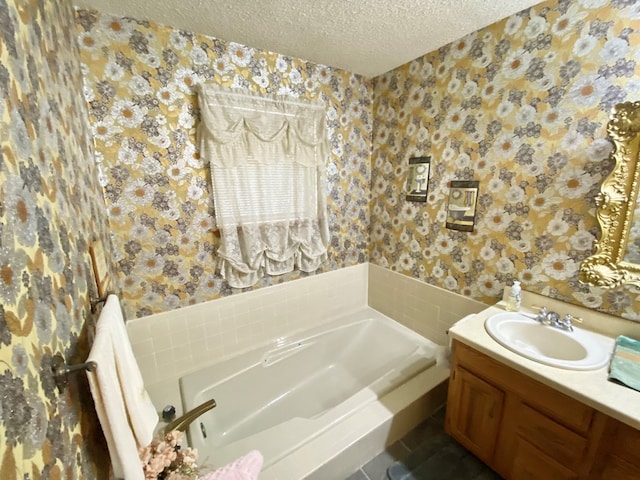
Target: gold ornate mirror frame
{"x":616,"y":204}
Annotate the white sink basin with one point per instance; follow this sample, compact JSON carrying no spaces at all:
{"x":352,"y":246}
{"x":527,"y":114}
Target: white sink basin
{"x":577,"y":350}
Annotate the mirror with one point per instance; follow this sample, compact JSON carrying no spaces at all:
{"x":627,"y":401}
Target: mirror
{"x":616,"y":260}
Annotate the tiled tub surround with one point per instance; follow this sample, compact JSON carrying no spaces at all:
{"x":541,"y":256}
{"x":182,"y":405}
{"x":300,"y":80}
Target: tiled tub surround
{"x":169,"y":345}
{"x":424,"y":308}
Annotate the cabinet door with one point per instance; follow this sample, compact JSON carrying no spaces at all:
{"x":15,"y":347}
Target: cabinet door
{"x":474,"y":410}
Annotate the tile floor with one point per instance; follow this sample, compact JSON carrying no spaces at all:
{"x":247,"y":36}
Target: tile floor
{"x":425,"y":453}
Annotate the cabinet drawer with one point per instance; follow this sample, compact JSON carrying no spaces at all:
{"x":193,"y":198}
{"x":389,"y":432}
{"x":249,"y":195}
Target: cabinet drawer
{"x":558,"y":406}
{"x":529,"y":463}
{"x":553,"y":440}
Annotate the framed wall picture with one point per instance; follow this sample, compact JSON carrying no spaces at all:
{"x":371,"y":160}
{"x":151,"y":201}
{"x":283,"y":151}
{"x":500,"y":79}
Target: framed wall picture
{"x":418,"y":179}
{"x":461,"y":211}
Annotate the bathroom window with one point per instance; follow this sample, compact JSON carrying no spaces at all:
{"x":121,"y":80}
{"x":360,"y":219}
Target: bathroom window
{"x":268,"y":170}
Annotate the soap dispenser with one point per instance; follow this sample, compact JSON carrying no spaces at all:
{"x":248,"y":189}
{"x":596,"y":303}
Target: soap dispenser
{"x":514,"y":298}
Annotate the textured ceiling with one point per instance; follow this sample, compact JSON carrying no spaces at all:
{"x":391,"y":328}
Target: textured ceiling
{"x":368,"y":37}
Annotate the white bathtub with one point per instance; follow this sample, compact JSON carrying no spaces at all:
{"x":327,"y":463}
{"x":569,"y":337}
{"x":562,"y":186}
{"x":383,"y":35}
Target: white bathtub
{"x":301,"y":390}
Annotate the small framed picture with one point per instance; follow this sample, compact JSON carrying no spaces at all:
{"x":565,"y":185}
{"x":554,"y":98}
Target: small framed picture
{"x":417,"y":179}
{"x":461,"y":211}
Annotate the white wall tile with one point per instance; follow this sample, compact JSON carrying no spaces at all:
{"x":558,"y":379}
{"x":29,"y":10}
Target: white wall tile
{"x":161,"y":341}
{"x":215,"y":344}
{"x":137,"y":330}
{"x":424,"y":308}
{"x":173,"y":343}
{"x":144,"y":347}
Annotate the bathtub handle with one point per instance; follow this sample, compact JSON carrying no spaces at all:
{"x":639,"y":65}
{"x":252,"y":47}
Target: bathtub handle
{"x":278,"y":354}
{"x":181,"y":423}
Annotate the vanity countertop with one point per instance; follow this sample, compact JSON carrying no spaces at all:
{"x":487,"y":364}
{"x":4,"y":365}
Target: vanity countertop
{"x":589,"y":387}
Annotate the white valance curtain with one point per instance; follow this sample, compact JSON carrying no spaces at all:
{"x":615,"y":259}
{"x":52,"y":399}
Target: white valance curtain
{"x":268,"y":170}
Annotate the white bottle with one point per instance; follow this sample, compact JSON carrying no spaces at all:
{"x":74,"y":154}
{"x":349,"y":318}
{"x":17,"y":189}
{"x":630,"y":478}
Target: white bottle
{"x":514,"y":298}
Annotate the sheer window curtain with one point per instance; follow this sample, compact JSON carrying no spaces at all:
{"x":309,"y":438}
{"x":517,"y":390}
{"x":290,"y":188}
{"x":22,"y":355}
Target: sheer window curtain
{"x":268,"y":169}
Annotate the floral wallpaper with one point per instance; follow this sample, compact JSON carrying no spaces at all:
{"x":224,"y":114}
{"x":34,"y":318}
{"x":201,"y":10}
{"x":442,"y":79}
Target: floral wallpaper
{"x":139,"y":84}
{"x":51,"y":208}
{"x":521,"y":106}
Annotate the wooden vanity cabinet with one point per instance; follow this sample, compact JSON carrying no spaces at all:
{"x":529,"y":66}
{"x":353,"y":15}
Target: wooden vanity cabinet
{"x":524,"y":429}
{"x":618,"y":457}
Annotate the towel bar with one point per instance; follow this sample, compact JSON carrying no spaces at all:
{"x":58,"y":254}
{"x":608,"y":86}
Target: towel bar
{"x":97,"y":301}
{"x":61,"y":371}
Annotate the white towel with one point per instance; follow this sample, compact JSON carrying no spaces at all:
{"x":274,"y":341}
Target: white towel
{"x":143,"y":415}
{"x":124,"y":409}
{"x":110,"y":408}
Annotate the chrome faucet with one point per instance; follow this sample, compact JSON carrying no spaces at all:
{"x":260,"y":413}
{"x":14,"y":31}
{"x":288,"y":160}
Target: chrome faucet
{"x":181,"y":423}
{"x":566,"y":323}
{"x":553,"y":319}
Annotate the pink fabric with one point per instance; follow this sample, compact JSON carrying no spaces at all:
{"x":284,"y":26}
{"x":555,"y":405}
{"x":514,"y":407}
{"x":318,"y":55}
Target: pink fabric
{"x":246,"y":467}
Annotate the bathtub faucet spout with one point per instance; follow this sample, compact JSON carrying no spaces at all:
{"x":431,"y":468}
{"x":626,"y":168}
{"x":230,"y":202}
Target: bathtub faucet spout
{"x":181,"y":423}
